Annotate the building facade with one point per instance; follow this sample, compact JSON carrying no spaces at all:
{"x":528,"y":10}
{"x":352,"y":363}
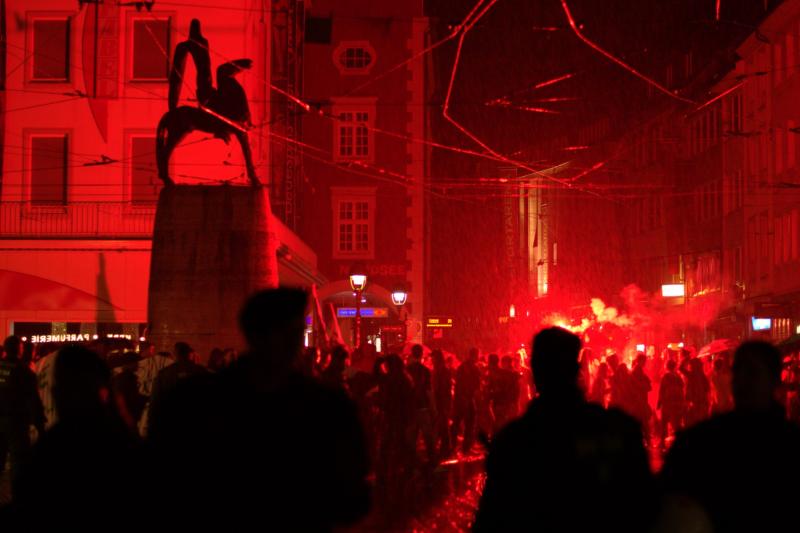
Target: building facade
{"x":365,"y":161}
{"x":721,"y":217}
{"x":84,"y":86}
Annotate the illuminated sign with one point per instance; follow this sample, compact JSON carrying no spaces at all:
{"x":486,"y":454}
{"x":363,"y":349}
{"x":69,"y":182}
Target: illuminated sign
{"x":366,"y":312}
{"x":760,"y":324}
{"x":640,"y":348}
{"x":439,"y":322}
{"x":65,"y":337}
{"x":672,"y":290}
{"x":78,"y":337}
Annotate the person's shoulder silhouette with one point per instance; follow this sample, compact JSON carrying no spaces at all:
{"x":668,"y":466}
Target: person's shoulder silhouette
{"x":260,"y":444}
{"x":737,"y":466}
{"x":89,"y":468}
{"x":565,"y":462}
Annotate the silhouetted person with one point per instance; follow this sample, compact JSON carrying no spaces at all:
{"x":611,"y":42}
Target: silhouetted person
{"x":422,"y":417}
{"x":259,"y":445}
{"x":20,"y":407}
{"x":89,"y":468}
{"x":333,"y":375}
{"x":131,"y":402}
{"x":509,"y":399}
{"x":493,"y":393}
{"x":467,"y":388}
{"x":502,"y":390}
{"x":600,"y":385}
{"x":216,"y":360}
{"x":396,"y":404}
{"x":150,"y":364}
{"x":742,"y":466}
{"x":196,"y":46}
{"x":697,"y":393}
{"x":169,"y":377}
{"x":620,"y":381}
{"x":722,"y":396}
{"x":670,"y":401}
{"x":566,"y":464}
{"x":640,"y":389}
{"x":442,"y":384}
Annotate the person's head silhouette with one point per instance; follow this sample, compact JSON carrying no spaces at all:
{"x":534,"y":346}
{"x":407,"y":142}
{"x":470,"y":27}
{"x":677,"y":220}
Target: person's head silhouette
{"x":554,"y":361}
{"x":394,"y":365}
{"x":183,"y":352}
{"x":416,"y":353}
{"x":12,"y":347}
{"x":273,"y":322}
{"x":81,"y":383}
{"x":756,"y":376}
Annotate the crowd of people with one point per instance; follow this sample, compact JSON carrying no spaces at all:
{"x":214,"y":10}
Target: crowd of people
{"x":303,"y":439}
{"x":664,"y":393}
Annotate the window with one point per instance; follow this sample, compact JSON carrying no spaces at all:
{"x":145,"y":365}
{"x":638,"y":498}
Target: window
{"x":48,"y":169}
{"x":151,"y":49}
{"x":354,"y":222}
{"x":354,"y":57}
{"x":353,"y":135}
{"x":144,"y":180}
{"x":50,"y":49}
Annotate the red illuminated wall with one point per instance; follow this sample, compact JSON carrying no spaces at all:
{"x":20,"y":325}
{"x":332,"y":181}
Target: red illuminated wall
{"x":390,"y":176}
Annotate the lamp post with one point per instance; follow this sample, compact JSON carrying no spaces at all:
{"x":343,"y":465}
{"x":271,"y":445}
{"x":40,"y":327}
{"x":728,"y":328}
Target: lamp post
{"x":399,"y":298}
{"x":358,"y":282}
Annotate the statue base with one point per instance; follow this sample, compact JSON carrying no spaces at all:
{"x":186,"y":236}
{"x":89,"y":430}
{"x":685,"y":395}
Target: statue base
{"x":213,"y":246}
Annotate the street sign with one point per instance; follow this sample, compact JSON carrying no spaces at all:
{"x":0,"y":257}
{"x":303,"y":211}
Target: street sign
{"x":366,"y":312}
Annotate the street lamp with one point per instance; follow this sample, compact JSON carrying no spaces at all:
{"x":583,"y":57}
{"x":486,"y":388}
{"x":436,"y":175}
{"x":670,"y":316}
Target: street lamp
{"x":358,"y":282}
{"x":399,"y":298}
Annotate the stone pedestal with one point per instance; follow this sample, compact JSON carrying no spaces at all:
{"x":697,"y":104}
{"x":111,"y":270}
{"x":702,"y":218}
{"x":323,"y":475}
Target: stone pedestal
{"x":212,"y":247}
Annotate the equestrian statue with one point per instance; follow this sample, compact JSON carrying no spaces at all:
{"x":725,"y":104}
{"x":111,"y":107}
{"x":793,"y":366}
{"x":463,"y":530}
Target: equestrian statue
{"x":221,"y":111}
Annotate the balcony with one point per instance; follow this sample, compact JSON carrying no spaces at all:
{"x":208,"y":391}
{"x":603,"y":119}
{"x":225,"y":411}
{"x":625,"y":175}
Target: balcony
{"x":83,"y":220}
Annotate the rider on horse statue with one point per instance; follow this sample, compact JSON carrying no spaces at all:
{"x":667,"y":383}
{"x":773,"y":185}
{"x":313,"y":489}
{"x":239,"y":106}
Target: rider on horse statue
{"x":222,"y":111}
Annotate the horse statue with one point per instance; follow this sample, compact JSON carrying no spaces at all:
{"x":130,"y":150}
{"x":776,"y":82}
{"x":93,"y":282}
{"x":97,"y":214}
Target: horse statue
{"x":223,"y":111}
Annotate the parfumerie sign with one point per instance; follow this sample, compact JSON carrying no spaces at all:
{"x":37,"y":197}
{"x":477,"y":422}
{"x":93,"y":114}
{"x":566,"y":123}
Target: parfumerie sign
{"x":66,"y":337}
{"x":76,"y":337}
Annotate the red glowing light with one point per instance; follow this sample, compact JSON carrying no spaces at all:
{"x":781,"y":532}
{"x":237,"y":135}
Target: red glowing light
{"x":576,"y":148}
{"x":553,"y":81}
{"x":532,"y":109}
{"x":596,"y":166}
{"x":720,"y":95}
{"x":718,"y":6}
{"x":613,"y":58}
